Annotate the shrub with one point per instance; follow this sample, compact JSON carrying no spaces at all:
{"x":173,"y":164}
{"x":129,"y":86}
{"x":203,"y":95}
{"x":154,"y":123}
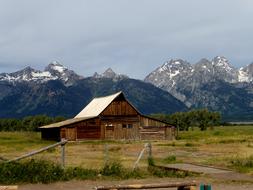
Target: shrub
{"x":32,"y":171}
{"x":170,"y":159}
{"x":80,"y":173}
{"x":112,"y":169}
{"x":151,"y":161}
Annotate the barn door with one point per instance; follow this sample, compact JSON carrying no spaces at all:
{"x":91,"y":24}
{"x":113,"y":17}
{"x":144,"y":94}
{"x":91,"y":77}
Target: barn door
{"x":109,"y":132}
{"x":71,"y":134}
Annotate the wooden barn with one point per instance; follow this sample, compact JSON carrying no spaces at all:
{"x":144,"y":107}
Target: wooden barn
{"x":112,"y":118}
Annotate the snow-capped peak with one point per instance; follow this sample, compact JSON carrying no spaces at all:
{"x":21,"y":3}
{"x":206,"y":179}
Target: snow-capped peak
{"x":54,"y":71}
{"x":223,"y":63}
{"x":27,"y":74}
{"x":172,"y":66}
{"x":169,"y":73}
{"x":56,"y":66}
{"x":245,"y":74}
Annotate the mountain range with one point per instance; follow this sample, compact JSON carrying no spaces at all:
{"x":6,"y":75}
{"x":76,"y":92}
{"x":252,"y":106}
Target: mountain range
{"x":176,"y":85}
{"x":214,"y":84}
{"x":60,"y":91}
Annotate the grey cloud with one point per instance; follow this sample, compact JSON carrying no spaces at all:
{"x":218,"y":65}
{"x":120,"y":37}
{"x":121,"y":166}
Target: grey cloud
{"x":132,"y":37}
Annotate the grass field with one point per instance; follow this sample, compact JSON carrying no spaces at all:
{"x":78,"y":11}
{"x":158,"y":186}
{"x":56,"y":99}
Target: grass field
{"x":223,"y":146}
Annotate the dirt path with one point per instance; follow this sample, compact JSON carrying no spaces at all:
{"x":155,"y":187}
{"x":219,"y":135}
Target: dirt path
{"x":215,"y":173}
{"x":198,"y":168}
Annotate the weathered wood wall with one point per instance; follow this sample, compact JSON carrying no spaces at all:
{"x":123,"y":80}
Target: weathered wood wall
{"x":89,"y":129}
{"x":119,"y":107}
{"x":120,"y":131}
{"x":146,"y":121}
{"x":152,"y":129}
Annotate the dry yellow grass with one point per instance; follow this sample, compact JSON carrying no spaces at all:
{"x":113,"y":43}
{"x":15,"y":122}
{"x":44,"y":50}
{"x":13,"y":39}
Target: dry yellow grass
{"x":214,"y":147}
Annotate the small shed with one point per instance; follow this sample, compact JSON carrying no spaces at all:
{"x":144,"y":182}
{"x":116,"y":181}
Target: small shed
{"x":111,"y":117}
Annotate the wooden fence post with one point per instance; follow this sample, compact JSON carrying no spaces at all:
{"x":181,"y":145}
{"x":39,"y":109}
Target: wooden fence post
{"x":140,"y":155}
{"x":149,"y":150}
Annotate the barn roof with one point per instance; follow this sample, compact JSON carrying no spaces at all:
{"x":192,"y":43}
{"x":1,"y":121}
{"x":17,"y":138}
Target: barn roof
{"x":66,"y":122}
{"x":97,"y":106}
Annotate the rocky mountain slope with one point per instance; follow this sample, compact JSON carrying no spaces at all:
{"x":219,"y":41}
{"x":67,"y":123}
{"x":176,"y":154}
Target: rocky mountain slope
{"x":212,"y":84}
{"x":59,"y":91}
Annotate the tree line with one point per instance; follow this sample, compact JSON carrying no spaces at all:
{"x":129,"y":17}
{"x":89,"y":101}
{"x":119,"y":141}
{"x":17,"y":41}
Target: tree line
{"x":29,"y":123}
{"x":201,"y":118}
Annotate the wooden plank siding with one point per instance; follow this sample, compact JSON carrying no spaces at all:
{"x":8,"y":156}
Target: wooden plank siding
{"x":89,"y":129}
{"x":121,"y":131}
{"x":153,"y":129}
{"x":119,"y":108}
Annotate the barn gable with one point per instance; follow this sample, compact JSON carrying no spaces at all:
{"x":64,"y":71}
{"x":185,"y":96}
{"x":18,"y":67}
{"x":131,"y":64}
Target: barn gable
{"x":119,"y":107}
{"x":115,"y":104}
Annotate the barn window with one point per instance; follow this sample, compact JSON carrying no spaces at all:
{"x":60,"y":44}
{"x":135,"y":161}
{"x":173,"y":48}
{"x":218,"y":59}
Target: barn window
{"x":109,"y":127}
{"x":129,"y":126}
{"x":124,"y":126}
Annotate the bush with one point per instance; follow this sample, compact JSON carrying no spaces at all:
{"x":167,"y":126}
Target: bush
{"x":32,"y":171}
{"x":112,"y":169}
{"x":41,"y":171}
{"x":151,"y":161}
{"x":170,"y":159}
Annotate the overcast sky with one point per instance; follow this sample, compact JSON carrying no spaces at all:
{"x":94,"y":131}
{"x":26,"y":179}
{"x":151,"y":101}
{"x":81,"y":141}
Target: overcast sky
{"x":132,"y":37}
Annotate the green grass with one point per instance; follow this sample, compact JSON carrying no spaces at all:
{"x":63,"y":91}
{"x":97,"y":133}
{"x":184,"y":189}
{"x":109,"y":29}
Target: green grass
{"x":21,"y":138}
{"x":171,"y":159}
{"x":226,"y":134}
{"x":242,"y":164}
{"x":13,"y":144}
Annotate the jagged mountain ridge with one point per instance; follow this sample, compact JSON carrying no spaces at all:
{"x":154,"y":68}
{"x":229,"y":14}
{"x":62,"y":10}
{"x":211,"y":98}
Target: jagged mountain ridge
{"x":54,"y":71}
{"x":109,"y":73}
{"x":59,"y":91}
{"x":202,"y":84}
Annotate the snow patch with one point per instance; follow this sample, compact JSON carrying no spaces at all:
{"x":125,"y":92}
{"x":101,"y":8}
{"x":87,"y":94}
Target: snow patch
{"x":172,"y":75}
{"x":243,"y":76}
{"x":59,"y":68}
{"x":177,"y":63}
{"x":41,"y":74}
